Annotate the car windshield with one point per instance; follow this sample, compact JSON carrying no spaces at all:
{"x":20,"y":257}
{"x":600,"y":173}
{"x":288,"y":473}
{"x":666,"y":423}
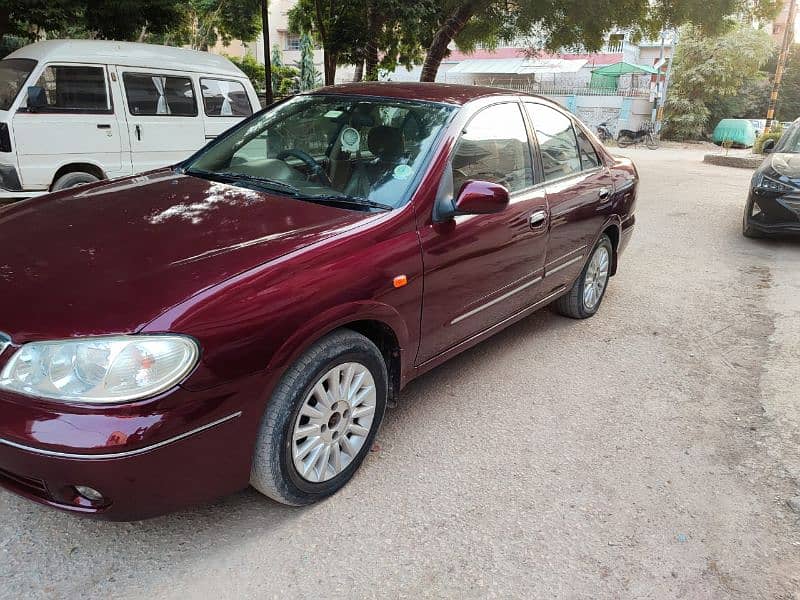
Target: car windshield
{"x":790,"y":141}
{"x":13,"y":74}
{"x":330,"y":148}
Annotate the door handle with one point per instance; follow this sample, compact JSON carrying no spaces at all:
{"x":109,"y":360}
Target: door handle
{"x":604,"y":193}
{"x":537,"y":219}
{"x":104,"y":126}
{"x":138,"y":133}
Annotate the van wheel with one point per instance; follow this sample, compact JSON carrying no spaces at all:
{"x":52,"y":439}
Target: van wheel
{"x":74,"y":179}
{"x":321,"y":420}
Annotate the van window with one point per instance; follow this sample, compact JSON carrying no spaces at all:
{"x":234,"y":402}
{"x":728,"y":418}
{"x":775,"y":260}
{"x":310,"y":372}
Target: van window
{"x":225,"y":98}
{"x":163,"y":95}
{"x":13,"y":74}
{"x":68,"y":88}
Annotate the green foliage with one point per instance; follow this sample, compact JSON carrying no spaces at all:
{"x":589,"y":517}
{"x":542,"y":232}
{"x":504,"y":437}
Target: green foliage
{"x":309,"y":75}
{"x":108,"y":19}
{"x":789,"y":94}
{"x":203,"y":23}
{"x":774,"y":134}
{"x":276,"y":59}
{"x":254,"y":70}
{"x":708,"y":69}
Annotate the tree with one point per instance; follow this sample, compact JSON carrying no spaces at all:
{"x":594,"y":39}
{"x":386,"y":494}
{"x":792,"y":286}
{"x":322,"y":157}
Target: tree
{"x":108,"y":19}
{"x":789,"y":94}
{"x":708,"y":68}
{"x":374,"y":35}
{"x":309,"y":76}
{"x":556,"y":24}
{"x":336,"y":24}
{"x":203,"y":23}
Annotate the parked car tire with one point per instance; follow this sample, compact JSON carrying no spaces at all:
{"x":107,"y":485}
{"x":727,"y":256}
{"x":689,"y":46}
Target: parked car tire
{"x":321,"y":420}
{"x":586,"y":294}
{"x":74,"y":179}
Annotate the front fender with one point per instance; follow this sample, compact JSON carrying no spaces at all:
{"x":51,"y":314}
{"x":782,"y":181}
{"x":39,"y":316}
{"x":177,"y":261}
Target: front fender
{"x":340,"y":316}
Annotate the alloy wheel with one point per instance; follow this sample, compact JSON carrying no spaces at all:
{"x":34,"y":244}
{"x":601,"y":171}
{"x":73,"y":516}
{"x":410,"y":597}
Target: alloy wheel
{"x":596,"y":277}
{"x":334,"y":422}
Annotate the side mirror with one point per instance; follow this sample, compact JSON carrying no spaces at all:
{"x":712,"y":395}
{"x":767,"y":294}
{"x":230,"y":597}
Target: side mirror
{"x":481,"y":198}
{"x":768,"y":146}
{"x":36,"y":97}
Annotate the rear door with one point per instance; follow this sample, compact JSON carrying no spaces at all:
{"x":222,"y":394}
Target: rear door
{"x":225,"y":103}
{"x":481,"y":269}
{"x":164,"y":120}
{"x":578,"y":187}
{"x":77,"y":125}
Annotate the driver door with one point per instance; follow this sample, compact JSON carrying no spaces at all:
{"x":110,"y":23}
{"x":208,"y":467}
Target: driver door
{"x":482,"y":269}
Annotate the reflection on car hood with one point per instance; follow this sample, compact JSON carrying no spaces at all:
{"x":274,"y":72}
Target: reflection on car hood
{"x":786,"y":163}
{"x":110,"y":257}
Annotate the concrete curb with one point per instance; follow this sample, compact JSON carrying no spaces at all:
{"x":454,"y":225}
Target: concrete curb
{"x":740,"y":162}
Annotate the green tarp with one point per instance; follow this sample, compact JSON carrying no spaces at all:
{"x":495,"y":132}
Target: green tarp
{"x":607,"y":77}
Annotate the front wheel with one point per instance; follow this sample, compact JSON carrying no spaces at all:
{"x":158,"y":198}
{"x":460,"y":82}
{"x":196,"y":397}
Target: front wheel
{"x":586,"y":294}
{"x":652,"y":142}
{"x":321,"y":420}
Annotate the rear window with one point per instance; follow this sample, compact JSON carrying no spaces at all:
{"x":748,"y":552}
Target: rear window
{"x":74,"y":88}
{"x":161,"y":95}
{"x":225,"y":98}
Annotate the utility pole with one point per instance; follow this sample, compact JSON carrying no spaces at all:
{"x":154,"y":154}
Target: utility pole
{"x":267,"y":58}
{"x":788,"y":34}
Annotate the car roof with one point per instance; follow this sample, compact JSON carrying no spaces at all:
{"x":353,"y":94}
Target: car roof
{"x":129,"y":54}
{"x":415,"y":90}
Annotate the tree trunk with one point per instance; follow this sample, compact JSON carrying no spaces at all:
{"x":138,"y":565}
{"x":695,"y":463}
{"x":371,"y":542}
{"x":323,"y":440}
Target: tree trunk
{"x":449,"y":29}
{"x":374,"y":24}
{"x":359,"y":74}
{"x":330,"y":67}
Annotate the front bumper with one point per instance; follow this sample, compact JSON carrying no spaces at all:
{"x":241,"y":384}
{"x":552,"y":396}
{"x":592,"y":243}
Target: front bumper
{"x":770,"y":212}
{"x":146,"y":459}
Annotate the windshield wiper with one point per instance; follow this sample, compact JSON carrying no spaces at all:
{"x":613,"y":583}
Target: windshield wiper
{"x":259,"y":182}
{"x":347,"y":201}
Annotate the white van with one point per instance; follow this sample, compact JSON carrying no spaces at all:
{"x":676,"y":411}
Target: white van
{"x":75,"y":111}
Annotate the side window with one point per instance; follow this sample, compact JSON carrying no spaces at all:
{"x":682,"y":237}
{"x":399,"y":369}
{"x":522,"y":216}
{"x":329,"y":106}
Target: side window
{"x":589,"y":158}
{"x":76,"y":88}
{"x":557,"y":143}
{"x":224,"y":98}
{"x":154,"y":94}
{"x":494,"y":147}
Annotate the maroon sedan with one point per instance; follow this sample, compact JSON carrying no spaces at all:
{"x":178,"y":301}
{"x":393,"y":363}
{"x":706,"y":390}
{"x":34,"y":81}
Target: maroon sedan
{"x":244,"y":317}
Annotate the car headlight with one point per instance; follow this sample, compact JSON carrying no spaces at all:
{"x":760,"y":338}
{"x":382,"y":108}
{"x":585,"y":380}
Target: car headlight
{"x":100,"y":369}
{"x":761,"y":181}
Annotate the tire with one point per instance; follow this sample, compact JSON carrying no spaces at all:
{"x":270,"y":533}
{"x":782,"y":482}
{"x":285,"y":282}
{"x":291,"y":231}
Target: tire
{"x":274,"y":471}
{"x":74,"y":179}
{"x":653,"y":142}
{"x":575,"y":303}
{"x":624,"y":141}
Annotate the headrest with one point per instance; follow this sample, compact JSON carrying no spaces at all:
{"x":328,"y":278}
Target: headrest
{"x":361,"y":117}
{"x":386,"y":142}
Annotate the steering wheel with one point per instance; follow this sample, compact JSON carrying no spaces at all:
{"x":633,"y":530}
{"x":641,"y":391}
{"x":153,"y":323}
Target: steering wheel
{"x":317,"y":170}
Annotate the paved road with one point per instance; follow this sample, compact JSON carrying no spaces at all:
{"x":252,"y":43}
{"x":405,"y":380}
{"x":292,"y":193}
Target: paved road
{"x":645,"y":453}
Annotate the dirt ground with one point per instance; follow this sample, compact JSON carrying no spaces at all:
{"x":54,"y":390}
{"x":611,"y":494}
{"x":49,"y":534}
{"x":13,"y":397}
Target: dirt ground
{"x":648,"y":452}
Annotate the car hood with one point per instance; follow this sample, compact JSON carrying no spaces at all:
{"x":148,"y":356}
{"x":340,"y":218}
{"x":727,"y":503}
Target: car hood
{"x":786,"y":164}
{"x":110,"y":257}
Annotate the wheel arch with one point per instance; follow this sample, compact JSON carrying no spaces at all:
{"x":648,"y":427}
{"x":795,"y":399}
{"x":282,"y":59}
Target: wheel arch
{"x":613,"y":231}
{"x":78,"y":167}
{"x":379,"y":323}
